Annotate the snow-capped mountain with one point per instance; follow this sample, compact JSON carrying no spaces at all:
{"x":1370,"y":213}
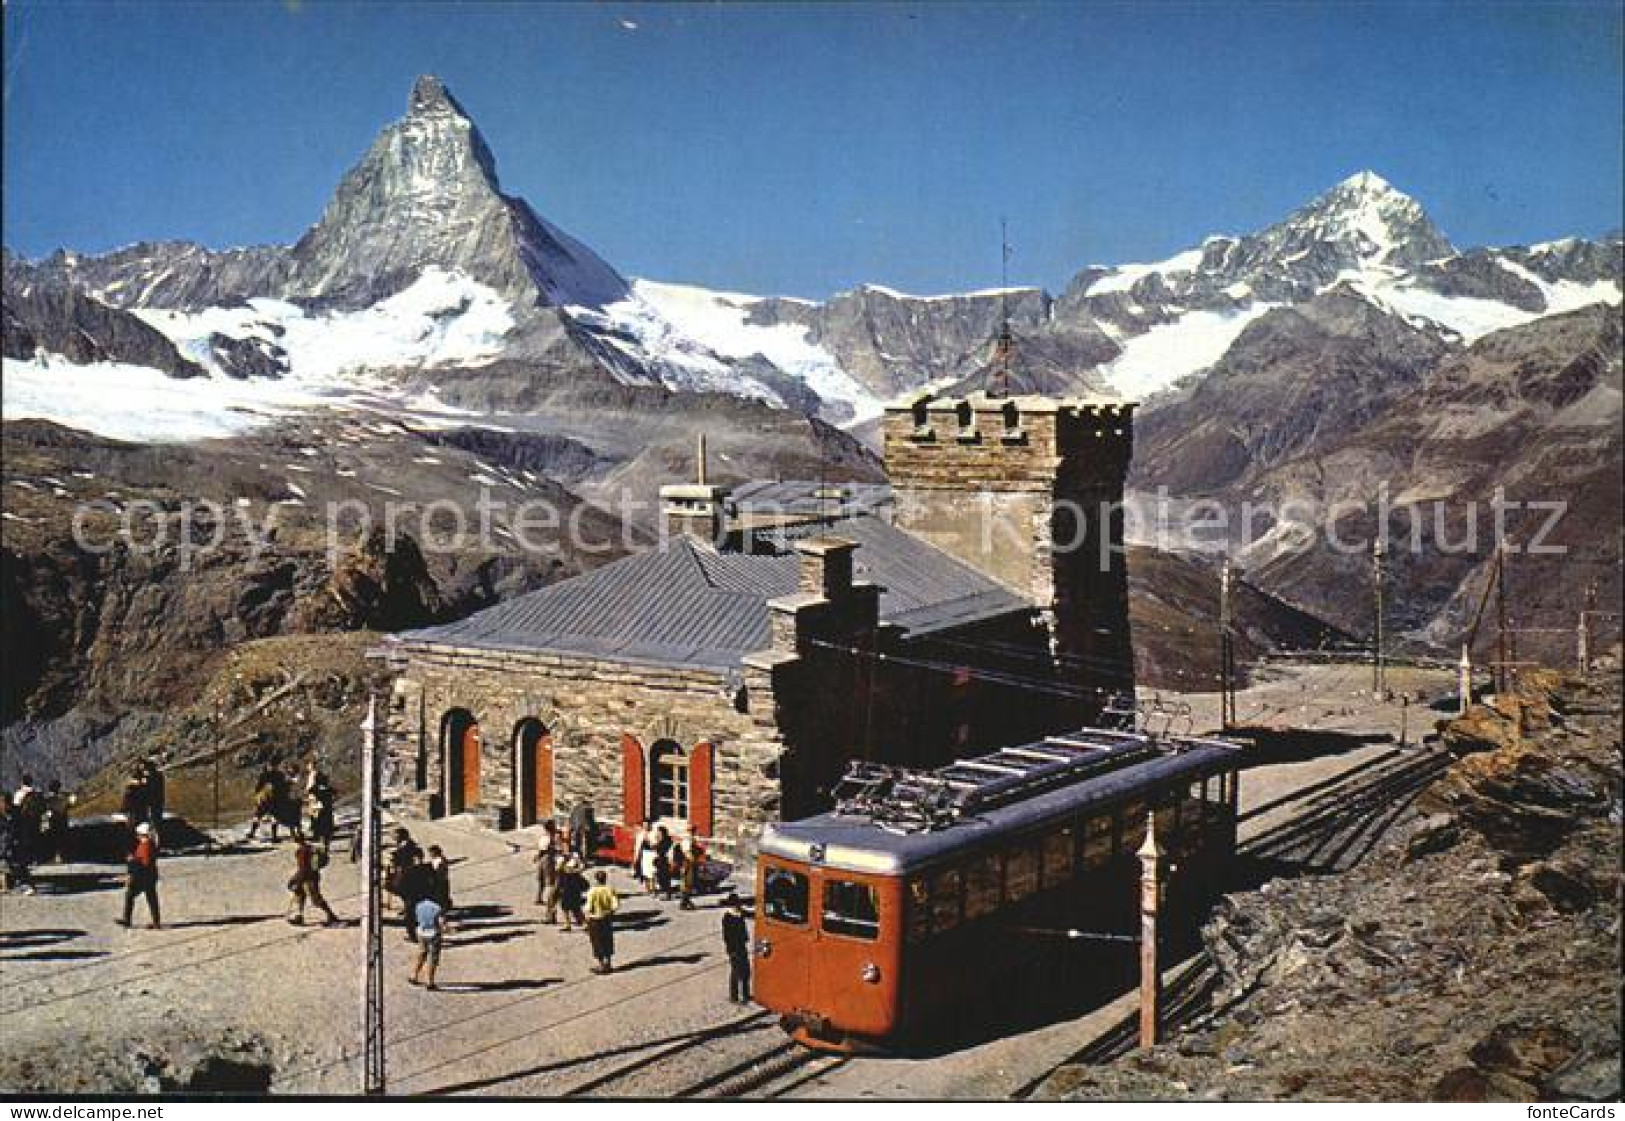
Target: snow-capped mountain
{"x":421,"y":272}
{"x":420,"y":263}
{"x":1177,"y":317}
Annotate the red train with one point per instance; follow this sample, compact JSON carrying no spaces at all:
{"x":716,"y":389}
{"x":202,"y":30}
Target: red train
{"x":900,"y":911}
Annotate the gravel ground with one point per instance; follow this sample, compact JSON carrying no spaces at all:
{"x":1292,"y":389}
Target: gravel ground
{"x":230,"y":994}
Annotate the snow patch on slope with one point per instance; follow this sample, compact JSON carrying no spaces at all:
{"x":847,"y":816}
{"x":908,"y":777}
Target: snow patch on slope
{"x":442,"y":319}
{"x":1124,"y":277}
{"x":140,"y":403}
{"x":1152,"y":362}
{"x":1471,"y":317}
{"x":694,"y":330}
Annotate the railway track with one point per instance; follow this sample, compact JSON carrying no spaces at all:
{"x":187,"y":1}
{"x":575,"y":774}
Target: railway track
{"x":773,"y":1070}
{"x":623,"y":1077}
{"x":773,"y":1073}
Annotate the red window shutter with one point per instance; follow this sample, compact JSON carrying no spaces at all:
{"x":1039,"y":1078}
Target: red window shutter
{"x":699,"y":789}
{"x":633,"y":799}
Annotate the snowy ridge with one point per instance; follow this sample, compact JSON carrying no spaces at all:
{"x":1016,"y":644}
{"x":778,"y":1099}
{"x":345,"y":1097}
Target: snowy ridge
{"x":1153,"y":362}
{"x":695,"y":337}
{"x":441,"y":320}
{"x":1124,"y":277}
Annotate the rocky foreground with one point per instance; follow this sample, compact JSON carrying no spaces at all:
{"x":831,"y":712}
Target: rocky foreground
{"x":1473,"y":957}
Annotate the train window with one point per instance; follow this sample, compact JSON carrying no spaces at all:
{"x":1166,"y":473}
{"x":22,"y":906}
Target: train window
{"x":1057,"y":857}
{"x":982,"y":886}
{"x":1020,"y":872}
{"x":784,"y":896}
{"x":1097,"y":840}
{"x":919,"y":910}
{"x":1130,"y":827}
{"x":852,"y":909}
{"x":945,"y":900}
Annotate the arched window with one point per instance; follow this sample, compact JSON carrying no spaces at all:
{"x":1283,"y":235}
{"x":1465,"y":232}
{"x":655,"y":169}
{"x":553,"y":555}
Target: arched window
{"x":669,"y":785}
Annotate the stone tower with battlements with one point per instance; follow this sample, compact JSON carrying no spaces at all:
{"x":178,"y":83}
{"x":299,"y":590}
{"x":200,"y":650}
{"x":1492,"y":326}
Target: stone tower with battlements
{"x":1028,"y":490}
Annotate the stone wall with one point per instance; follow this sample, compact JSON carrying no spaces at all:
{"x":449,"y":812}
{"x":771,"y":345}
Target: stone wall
{"x":586,"y":706}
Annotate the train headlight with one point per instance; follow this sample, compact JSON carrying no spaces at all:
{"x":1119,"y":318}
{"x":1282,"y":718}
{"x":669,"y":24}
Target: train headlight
{"x":763,"y":947}
{"x":871,"y":973}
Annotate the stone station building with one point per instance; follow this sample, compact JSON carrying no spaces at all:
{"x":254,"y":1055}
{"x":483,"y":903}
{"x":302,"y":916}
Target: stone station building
{"x":725,"y":678}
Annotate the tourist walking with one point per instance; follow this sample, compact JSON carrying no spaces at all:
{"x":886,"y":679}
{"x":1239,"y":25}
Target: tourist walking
{"x":547,"y":873}
{"x":736,"y":941}
{"x":687,"y":860}
{"x":58,"y":807}
{"x":439,"y":881}
{"x":643,"y":858}
{"x":663,"y":847}
{"x":404,"y":855}
{"x":28,"y":825}
{"x":601,"y":906}
{"x":583,"y":832}
{"x":319,"y":802}
{"x":141,"y":875}
{"x":305,"y":885}
{"x":573,"y":894}
{"x":416,"y":885}
{"x":430,"y":919}
{"x":133,"y":801}
{"x":152,"y":778}
{"x":13,"y":856}
{"x":270,"y":791}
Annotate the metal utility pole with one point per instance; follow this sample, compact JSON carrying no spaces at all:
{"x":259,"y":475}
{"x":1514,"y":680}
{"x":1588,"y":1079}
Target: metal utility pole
{"x":1503,"y":657}
{"x":372,"y":922}
{"x":1227,"y":653}
{"x":1583,"y":637}
{"x":1150,"y":971}
{"x":214,"y":832}
{"x":1379,"y":675}
{"x":1002,"y":349}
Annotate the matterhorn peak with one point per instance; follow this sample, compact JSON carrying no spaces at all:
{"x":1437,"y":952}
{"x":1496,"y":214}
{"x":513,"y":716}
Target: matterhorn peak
{"x":426,"y":194}
{"x":429,"y":94}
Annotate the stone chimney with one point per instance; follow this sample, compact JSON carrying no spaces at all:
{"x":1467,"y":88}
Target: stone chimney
{"x":696,"y":509}
{"x":826,"y":566}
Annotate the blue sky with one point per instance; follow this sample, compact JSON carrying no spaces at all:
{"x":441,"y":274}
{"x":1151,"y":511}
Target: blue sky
{"x":805,"y":148}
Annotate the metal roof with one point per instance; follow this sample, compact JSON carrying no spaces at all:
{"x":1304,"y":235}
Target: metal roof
{"x":857,"y":843}
{"x":808,"y":496}
{"x":687,"y":604}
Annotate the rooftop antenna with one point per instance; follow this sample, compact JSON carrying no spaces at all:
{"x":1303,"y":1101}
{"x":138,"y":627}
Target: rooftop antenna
{"x":1002,"y":349}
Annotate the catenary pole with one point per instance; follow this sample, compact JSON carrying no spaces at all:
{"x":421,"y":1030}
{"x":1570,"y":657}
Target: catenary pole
{"x":372,"y":933}
{"x":1150,"y":969}
{"x":1379,"y":677}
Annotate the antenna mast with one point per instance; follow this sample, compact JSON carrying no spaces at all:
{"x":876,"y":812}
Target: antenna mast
{"x":1006,"y":344}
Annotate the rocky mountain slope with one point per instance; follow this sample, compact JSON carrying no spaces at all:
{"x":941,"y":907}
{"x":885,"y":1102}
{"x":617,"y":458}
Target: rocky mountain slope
{"x":1473,"y":957}
{"x":1530,"y":415}
{"x":128,"y":573}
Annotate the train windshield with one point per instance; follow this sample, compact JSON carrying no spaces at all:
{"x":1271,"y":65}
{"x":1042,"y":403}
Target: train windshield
{"x":851,"y":909}
{"x":784,"y":896}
